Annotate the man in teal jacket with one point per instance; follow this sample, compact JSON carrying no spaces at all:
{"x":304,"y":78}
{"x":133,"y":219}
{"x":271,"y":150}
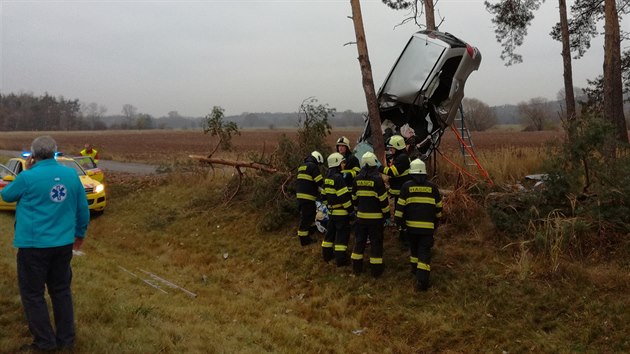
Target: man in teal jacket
{"x":51,"y":219}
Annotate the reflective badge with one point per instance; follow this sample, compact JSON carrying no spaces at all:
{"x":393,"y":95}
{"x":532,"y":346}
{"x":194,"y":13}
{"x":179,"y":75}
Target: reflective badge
{"x":58,"y":193}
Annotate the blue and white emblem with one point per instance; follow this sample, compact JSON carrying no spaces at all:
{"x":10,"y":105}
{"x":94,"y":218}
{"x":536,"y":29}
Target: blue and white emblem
{"x":58,"y":193}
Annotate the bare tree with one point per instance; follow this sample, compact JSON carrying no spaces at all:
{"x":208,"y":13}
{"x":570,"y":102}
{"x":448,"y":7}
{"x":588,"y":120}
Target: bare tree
{"x":129,"y":112}
{"x":535,"y":113}
{"x":479,"y":116}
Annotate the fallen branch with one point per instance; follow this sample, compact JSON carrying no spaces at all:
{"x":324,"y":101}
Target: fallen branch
{"x":237,"y":164}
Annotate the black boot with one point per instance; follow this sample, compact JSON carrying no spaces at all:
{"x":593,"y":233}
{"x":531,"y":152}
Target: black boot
{"x":342,"y":258}
{"x":328,"y":253}
{"x":413,"y":267}
{"x":376,"y":269}
{"x":357,"y":266}
{"x":306,"y":240}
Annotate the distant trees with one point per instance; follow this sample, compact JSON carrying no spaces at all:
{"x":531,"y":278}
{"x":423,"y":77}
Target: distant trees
{"x":535,"y":113}
{"x":25,"y":111}
{"x":478,"y":115}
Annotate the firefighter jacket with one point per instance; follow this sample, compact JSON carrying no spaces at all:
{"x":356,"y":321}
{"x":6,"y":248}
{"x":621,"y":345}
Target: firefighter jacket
{"x":369,"y":196}
{"x":309,"y":179}
{"x":419,"y":206}
{"x":93,"y":153}
{"x":351,"y":169}
{"x":336,"y":195}
{"x":398,"y":171}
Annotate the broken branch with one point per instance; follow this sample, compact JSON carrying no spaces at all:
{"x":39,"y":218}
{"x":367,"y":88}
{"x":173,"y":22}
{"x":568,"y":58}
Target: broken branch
{"x":237,"y":164}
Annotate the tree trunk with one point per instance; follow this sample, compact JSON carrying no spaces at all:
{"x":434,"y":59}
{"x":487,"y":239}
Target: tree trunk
{"x":613,"y":94}
{"x":429,"y":14}
{"x":569,"y":97}
{"x":368,"y":83}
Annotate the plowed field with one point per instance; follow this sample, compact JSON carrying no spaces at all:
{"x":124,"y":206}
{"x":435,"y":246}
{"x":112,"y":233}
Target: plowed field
{"x":166,"y":145}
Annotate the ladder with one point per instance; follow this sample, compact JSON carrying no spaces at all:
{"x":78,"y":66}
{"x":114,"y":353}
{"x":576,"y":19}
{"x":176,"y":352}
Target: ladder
{"x":466,"y":145}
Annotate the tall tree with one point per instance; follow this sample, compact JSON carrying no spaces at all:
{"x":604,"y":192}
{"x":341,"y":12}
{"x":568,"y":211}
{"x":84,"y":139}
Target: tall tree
{"x":613,"y":88}
{"x":368,"y":82}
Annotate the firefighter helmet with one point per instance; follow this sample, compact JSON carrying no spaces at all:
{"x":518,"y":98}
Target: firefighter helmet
{"x":344,"y":141}
{"x":318,"y":157}
{"x":417,"y":167}
{"x":335,"y":159}
{"x":369,"y":159}
{"x":397,"y":142}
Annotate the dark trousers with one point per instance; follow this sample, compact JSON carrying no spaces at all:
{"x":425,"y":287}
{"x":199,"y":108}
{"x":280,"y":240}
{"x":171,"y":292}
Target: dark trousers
{"x":336,"y":239}
{"x":373,"y":230}
{"x":307,"y":218}
{"x":420,"y":248}
{"x":37,"y":269}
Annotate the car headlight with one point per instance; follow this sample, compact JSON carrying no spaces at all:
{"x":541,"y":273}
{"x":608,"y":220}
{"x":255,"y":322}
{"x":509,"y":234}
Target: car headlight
{"x":99,"y":188}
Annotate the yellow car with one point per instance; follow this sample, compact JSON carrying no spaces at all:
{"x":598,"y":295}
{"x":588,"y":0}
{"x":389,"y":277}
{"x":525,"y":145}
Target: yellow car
{"x":94,"y":189}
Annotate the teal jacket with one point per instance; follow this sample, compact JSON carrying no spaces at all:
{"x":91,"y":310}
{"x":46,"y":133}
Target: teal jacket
{"x":51,"y":207}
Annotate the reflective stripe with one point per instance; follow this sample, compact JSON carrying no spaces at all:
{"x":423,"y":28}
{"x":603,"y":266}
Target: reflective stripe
{"x":306,"y":196}
{"x":363,"y":215}
{"x":376,"y":260}
{"x":382,"y":197}
{"x":424,"y":266}
{"x":420,"y":224}
{"x":402,"y":202}
{"x":398,"y":213}
{"x":413,"y":259}
{"x":340,"y":248}
{"x":394,"y":191}
{"x":439,"y":205}
{"x":339,"y":212}
{"x":438,"y":215}
{"x":329,"y":190}
{"x":385,"y":210}
{"x":326,"y":244}
{"x":305,"y":176}
{"x":302,"y":233}
{"x":356,"y":256}
{"x":342,"y":191}
{"x":318,"y":178}
{"x":347,"y":204}
{"x":367,"y":194}
{"x":421,"y":200}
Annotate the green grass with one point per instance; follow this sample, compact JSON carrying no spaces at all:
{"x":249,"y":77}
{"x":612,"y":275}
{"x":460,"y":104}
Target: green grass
{"x":262,"y":292}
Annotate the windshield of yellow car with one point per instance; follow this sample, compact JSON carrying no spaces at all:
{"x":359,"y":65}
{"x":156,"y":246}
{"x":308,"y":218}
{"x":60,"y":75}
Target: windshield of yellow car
{"x":5,"y":172}
{"x":72,"y":164}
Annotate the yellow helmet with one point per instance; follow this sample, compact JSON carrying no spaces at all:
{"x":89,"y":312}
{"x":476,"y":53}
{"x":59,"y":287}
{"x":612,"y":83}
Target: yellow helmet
{"x":318,"y":157}
{"x":397,"y":142}
{"x":344,"y":141}
{"x":368,"y":159}
{"x":417,"y":167}
{"x":335,"y":159}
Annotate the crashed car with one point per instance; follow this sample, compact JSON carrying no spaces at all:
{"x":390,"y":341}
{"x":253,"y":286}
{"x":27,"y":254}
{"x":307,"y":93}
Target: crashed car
{"x":94,"y":190}
{"x":424,"y":89}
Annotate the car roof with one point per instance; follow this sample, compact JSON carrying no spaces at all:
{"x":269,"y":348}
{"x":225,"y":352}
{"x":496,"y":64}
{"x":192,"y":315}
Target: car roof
{"x":445,"y":37}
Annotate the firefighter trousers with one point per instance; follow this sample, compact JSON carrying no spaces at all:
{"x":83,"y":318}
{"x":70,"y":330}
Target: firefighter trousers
{"x":372,"y":230}
{"x":307,"y":219}
{"x":335,"y":243}
{"x":420,"y":248}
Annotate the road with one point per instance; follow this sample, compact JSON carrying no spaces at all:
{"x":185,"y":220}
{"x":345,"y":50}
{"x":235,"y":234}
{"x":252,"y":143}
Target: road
{"x":107,"y":165}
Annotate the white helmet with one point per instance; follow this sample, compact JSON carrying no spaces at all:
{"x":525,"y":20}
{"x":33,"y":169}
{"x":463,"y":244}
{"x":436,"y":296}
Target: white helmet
{"x":417,"y":167}
{"x":318,"y":157}
{"x":344,"y":142}
{"x":397,"y":142}
{"x":335,"y":159}
{"x":369,"y":159}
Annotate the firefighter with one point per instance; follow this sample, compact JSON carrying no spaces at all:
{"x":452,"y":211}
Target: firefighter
{"x":369,"y":196}
{"x":309,"y":181}
{"x":91,"y":152}
{"x":419,"y":209}
{"x":339,"y":202}
{"x":351,"y":162}
{"x":398,"y":172}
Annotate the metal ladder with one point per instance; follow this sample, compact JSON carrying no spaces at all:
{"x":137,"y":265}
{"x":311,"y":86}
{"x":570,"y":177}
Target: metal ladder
{"x":466,"y":145}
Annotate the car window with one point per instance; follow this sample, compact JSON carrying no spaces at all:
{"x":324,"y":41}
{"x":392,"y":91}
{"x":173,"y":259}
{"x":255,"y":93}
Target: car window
{"x":4,"y":171}
{"x":74,"y":165}
{"x":412,"y":70}
{"x":15,"y":166}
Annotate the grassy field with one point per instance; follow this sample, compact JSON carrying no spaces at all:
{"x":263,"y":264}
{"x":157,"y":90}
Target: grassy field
{"x":262,"y":293}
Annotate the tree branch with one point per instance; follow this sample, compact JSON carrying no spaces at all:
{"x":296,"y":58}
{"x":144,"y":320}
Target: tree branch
{"x":237,"y":164}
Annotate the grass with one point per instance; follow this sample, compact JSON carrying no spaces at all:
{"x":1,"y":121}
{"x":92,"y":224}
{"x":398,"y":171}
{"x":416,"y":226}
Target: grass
{"x":262,"y":292}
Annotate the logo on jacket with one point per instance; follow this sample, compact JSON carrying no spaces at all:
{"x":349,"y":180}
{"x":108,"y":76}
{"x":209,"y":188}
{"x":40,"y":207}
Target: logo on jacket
{"x":58,"y":193}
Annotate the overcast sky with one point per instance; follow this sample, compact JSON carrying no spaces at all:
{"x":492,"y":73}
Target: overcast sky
{"x":250,"y":56}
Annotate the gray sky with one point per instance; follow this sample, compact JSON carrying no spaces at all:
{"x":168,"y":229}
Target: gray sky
{"x":250,"y":56}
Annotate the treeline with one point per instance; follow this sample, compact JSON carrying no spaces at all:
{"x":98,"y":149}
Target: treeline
{"x":26,"y":112}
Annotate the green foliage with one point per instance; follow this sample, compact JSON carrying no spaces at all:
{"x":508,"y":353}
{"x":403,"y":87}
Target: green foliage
{"x":314,"y":127}
{"x":585,"y":201}
{"x":214,"y":124}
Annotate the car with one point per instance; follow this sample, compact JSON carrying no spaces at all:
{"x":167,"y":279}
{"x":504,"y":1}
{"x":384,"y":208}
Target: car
{"x":424,"y":89}
{"x":94,"y":190}
{"x":6,"y":176}
{"x":88,"y":164}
